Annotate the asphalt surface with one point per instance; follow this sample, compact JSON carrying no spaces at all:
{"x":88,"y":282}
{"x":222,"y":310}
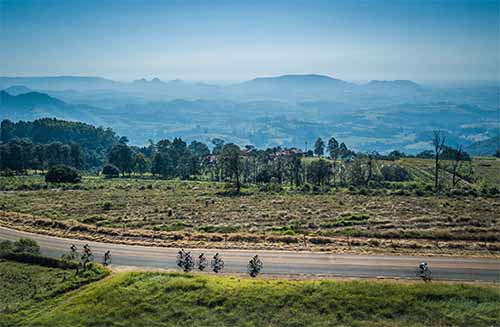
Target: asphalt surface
{"x":280,"y":262}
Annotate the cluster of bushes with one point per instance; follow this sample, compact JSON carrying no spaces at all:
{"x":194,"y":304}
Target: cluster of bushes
{"x":23,"y":245}
{"x":62,"y":174}
{"x":26,"y":250}
{"x":110,"y":171}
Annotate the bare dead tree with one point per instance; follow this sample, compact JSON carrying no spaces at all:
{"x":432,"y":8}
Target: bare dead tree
{"x":438,"y":140}
{"x":456,"y":165}
{"x":371,"y":162}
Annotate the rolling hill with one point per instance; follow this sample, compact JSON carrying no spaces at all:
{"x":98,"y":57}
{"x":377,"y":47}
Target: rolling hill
{"x":484,"y":148}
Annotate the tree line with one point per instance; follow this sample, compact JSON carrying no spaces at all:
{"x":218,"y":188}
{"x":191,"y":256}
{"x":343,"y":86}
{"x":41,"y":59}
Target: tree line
{"x":277,"y":166}
{"x":85,"y":147}
{"x":230,"y":163}
{"x":20,"y":155}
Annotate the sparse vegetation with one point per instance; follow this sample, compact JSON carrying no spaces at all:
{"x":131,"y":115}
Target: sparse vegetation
{"x":401,"y":216}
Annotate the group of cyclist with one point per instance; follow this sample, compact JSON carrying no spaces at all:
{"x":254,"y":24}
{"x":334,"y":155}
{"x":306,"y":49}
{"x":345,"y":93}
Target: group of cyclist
{"x":87,"y":254}
{"x":185,"y":261}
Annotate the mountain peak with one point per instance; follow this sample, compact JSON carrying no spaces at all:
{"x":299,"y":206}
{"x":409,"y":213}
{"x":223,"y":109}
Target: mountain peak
{"x":299,"y":77}
{"x":29,"y":99}
{"x":17,"y":89}
{"x":308,"y":81}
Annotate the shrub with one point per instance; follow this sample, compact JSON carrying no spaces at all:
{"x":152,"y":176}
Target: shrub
{"x":6,"y":246}
{"x":7,"y":173}
{"x":62,"y":174}
{"x":26,"y":245}
{"x":39,"y":260}
{"x":305,"y":188}
{"x":107,"y":206}
{"x":110,"y":171}
{"x":395,"y":173}
{"x":21,"y":246}
{"x":489,"y":190}
{"x":271,"y":187}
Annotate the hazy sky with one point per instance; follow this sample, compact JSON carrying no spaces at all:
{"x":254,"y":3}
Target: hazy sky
{"x":235,"y":40}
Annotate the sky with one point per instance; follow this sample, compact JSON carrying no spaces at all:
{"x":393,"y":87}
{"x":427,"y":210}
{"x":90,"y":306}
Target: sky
{"x":420,"y":40}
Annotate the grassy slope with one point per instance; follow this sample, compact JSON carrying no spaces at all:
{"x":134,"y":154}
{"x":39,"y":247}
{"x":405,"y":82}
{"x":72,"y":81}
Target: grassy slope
{"x":159,"y":299}
{"x":22,"y":285}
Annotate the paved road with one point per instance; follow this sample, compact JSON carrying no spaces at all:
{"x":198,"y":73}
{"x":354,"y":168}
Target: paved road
{"x":282,"y":262}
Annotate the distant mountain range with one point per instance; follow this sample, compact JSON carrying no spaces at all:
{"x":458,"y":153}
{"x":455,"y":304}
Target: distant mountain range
{"x":279,"y":86}
{"x":30,"y":99}
{"x":286,"y":110}
{"x":33,"y":105}
{"x":297,"y":81}
{"x":309,"y":81}
{"x":59,"y":83}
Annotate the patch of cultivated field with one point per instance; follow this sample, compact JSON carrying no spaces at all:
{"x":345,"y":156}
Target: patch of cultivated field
{"x":486,"y":170}
{"x":160,"y":299}
{"x":175,"y":211}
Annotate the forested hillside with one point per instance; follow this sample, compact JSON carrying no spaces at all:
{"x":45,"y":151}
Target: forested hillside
{"x":94,"y":142}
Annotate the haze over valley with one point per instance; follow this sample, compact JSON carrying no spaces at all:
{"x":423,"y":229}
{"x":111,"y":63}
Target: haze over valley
{"x":250,"y":163}
{"x":287,"y":110}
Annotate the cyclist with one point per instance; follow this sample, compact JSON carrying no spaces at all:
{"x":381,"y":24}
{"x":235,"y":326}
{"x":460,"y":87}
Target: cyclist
{"x":107,"y":257}
{"x":86,"y":249}
{"x":217,"y":263}
{"x":202,"y":262}
{"x":424,"y":266}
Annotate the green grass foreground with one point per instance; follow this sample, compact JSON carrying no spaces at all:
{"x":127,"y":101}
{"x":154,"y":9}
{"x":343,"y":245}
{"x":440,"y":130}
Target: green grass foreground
{"x":23,"y":286}
{"x":161,"y":299}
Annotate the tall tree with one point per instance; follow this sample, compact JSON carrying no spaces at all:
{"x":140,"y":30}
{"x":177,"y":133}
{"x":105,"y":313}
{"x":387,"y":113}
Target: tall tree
{"x":357,"y":172}
{"x":371,"y":162}
{"x":343,"y":151}
{"x":295,"y":166}
{"x":218,"y":144}
{"x":319,"y":172}
{"x":77,"y":155}
{"x":319,"y":147}
{"x":333,"y":150}
{"x":122,"y":157}
{"x":461,"y":166}
{"x":199,"y":152}
{"x":438,"y":140}
{"x":231,"y":161}
{"x":140,"y":163}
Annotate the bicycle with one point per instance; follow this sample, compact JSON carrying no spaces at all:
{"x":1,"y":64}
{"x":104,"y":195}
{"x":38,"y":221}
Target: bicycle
{"x":202,"y":262}
{"x":425,"y":275}
{"x":217,"y":264}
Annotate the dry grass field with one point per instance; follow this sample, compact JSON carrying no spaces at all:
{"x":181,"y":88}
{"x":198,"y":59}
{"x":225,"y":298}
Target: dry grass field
{"x":175,"y":213}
